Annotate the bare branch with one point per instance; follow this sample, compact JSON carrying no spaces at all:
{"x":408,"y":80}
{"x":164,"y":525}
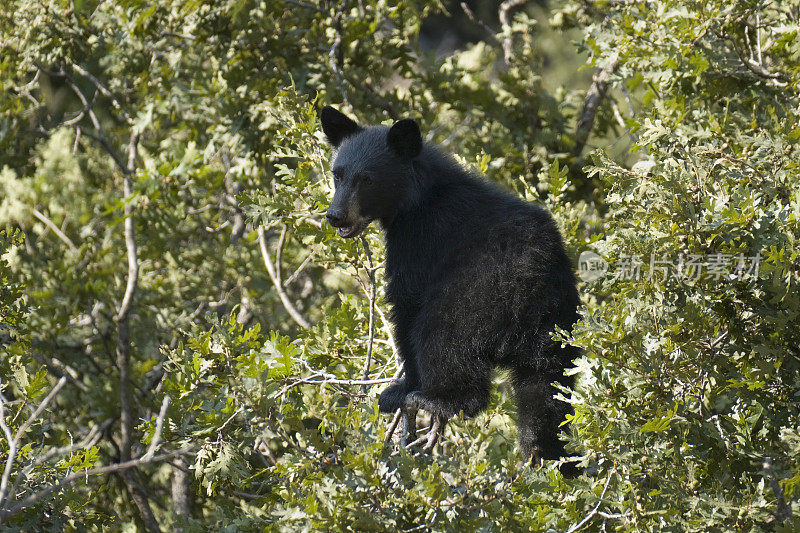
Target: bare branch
{"x":783,"y":511}
{"x":288,"y":281}
{"x":151,"y":450}
{"x":475,"y":20}
{"x":239,"y":410}
{"x":505,"y":24}
{"x":331,"y":381}
{"x":305,"y":5}
{"x":130,"y":236}
{"x":594,"y":96}
{"x":279,"y":254}
{"x":59,"y":369}
{"x":13,"y":441}
{"x":100,"y":135}
{"x":387,"y":327}
{"x":271,"y":270}
{"x":335,"y":55}
{"x":49,"y":223}
{"x":72,"y":478}
{"x":393,"y":426}
{"x":122,"y":318}
{"x":89,"y":440}
{"x":100,"y":87}
{"x":181,"y":488}
{"x":409,"y":425}
{"x":372,"y":297}
{"x":593,"y":512}
{"x":52,"y":394}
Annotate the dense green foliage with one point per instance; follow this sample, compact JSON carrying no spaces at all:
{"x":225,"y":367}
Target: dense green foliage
{"x":183,"y":340}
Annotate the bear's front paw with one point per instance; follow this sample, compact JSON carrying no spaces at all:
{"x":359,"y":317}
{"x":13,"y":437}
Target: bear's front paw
{"x":393,"y":397}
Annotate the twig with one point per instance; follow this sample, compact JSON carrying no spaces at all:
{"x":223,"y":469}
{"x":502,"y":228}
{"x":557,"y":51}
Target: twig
{"x":618,"y":115}
{"x":782,"y":511}
{"x":305,"y":5}
{"x":393,"y":426}
{"x":279,"y":254}
{"x":287,"y":303}
{"x":334,"y":55}
{"x":151,"y":450}
{"x":594,"y":96}
{"x":593,"y":512}
{"x":288,"y":281}
{"x":116,"y":467}
{"x":387,"y":327}
{"x":475,"y":20}
{"x":130,"y":236}
{"x":239,"y":410}
{"x":59,"y":369}
{"x":505,"y":24}
{"x":49,"y":223}
{"x":100,"y":136}
{"x":372,"y":297}
{"x":13,"y":441}
{"x":77,"y":140}
{"x":332,"y":381}
{"x":89,"y":440}
{"x":100,"y":87}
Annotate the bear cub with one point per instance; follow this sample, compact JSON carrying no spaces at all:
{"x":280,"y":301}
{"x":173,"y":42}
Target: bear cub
{"x":477,"y":278}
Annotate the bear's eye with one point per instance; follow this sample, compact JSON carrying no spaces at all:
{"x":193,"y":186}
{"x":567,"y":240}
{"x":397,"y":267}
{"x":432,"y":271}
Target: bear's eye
{"x":337,"y":177}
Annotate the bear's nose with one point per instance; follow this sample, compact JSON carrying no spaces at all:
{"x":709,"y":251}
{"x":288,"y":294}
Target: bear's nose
{"x":335,"y":217}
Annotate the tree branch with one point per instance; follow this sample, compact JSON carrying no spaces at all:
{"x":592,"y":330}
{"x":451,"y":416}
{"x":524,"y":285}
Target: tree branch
{"x":100,"y":135}
{"x":393,"y":426}
{"x":505,"y":24}
{"x":100,"y":87}
{"x":49,"y":223}
{"x":181,"y":489}
{"x":89,"y":440}
{"x":330,"y":380}
{"x":122,"y":318}
{"x":130,"y":236}
{"x":288,"y":281}
{"x":273,"y":275}
{"x":475,"y":20}
{"x":594,"y":96}
{"x":783,"y":511}
{"x":13,"y":441}
{"x":593,"y":512}
{"x":72,"y":478}
{"x":151,"y":450}
{"x":372,"y":297}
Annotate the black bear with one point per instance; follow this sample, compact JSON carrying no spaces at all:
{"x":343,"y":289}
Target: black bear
{"x":477,"y":277}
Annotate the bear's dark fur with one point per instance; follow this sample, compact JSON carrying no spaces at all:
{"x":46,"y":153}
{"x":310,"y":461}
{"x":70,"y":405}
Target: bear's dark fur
{"x":477,"y":277}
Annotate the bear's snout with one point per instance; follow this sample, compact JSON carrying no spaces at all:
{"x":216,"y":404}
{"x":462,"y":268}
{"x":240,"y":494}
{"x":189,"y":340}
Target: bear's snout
{"x":335,"y":217}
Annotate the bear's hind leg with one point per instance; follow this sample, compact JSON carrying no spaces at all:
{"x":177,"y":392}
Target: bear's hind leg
{"x":539,"y":415}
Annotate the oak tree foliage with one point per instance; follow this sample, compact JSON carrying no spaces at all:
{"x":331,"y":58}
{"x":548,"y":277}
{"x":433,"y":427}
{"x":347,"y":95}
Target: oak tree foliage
{"x":184,"y":340}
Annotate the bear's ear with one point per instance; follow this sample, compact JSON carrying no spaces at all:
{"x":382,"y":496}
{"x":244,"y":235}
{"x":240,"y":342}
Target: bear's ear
{"x":337,"y":125}
{"x":405,"y":138}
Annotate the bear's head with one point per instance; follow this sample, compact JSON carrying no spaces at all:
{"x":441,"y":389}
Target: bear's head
{"x":373,"y":170}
